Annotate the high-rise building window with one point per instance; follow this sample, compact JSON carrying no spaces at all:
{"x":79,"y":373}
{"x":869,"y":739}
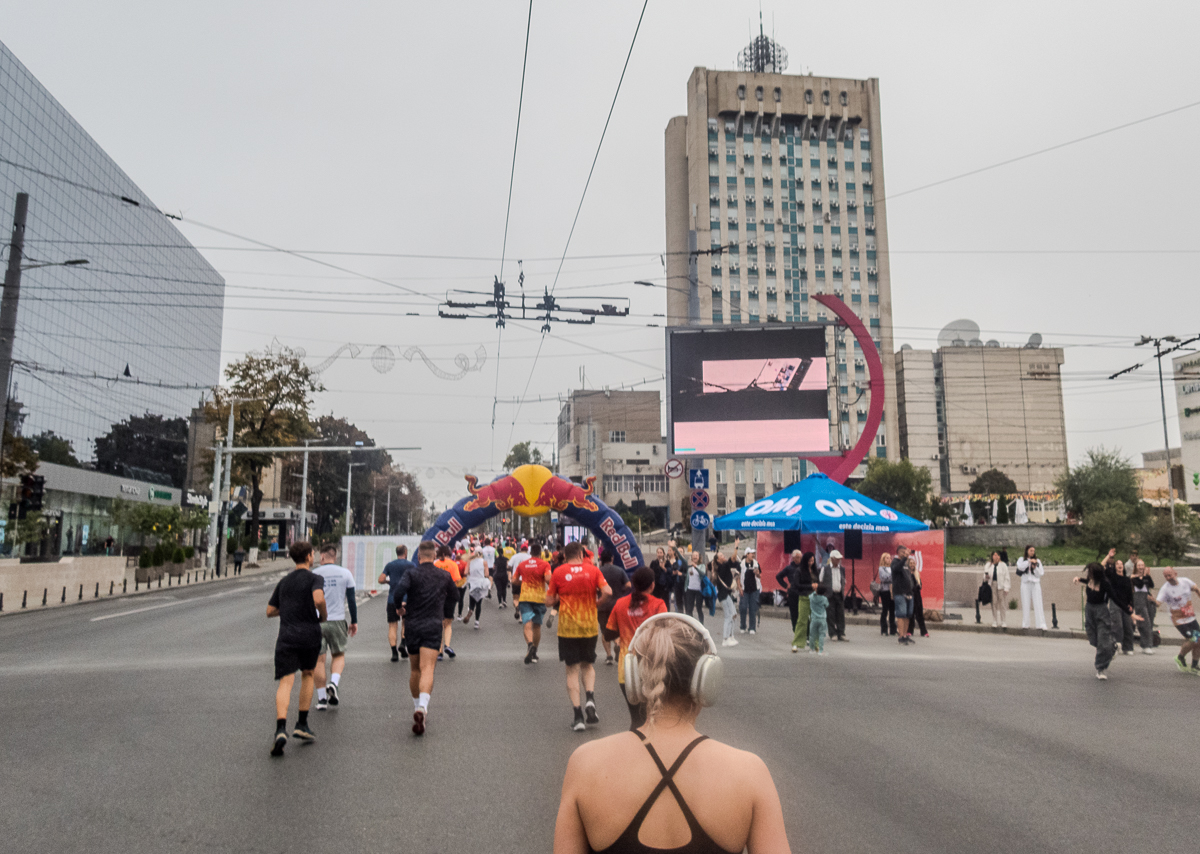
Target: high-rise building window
{"x":616,"y":436}
{"x":825,"y":97}
{"x":808,"y":96}
{"x":778,"y":94}
{"x":758,"y":471}
{"x":741,"y":93}
{"x":843,"y":99}
{"x":758,"y":92}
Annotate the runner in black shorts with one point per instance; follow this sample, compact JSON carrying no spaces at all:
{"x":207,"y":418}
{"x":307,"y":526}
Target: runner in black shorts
{"x":391,"y":576}
{"x":299,"y":603}
{"x":429,"y":596}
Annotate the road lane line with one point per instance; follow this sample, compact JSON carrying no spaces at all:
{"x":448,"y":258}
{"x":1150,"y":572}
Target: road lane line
{"x":168,"y":604}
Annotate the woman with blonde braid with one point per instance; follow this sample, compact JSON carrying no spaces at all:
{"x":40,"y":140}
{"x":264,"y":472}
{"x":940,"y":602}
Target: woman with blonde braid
{"x":613,"y":784}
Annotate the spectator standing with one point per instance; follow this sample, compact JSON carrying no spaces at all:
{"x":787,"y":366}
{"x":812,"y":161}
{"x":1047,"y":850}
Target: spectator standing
{"x":694,"y":592}
{"x":680,"y":576}
{"x":239,"y":555}
{"x":798,"y":580}
{"x":1031,"y":570}
{"x":996,"y":574}
{"x":274,"y":549}
{"x":887,"y":606}
{"x":918,"y":603}
{"x":833,"y":579}
{"x":662,"y":576}
{"x":751,"y":587}
{"x":902,"y":593}
{"x":729,"y":586}
{"x":1143,"y":589}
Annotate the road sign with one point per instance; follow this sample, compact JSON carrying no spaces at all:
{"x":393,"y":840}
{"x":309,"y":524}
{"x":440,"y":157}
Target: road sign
{"x":699,"y":499}
{"x":673,"y":468}
{"x":699,"y":520}
{"x":698,"y":478}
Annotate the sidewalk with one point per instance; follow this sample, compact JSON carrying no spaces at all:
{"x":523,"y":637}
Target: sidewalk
{"x":190,"y":579}
{"x":1070,"y":624}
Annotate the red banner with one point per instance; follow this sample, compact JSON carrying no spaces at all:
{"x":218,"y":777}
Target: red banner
{"x":929,"y":548}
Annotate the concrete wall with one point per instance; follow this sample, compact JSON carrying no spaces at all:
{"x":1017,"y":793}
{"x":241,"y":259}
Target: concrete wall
{"x":69,"y":572}
{"x":962,"y":586}
{"x":1009,"y":536}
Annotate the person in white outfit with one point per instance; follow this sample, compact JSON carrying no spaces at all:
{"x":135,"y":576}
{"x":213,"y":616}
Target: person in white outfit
{"x":1030,"y":569}
{"x":996,"y":574}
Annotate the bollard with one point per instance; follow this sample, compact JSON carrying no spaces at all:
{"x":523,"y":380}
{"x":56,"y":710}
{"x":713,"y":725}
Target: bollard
{"x":1,"y":601}
{"x":135,"y":584}
{"x":978,"y":619}
{"x":160,"y":582}
{"x":64,"y":596}
{"x":1054,"y":614}
{"x":24,"y":594}
{"x":45,"y":593}
{"x":97,"y":596}
{"x":80,"y":592}
{"x":111,"y":586}
{"x":125,"y":585}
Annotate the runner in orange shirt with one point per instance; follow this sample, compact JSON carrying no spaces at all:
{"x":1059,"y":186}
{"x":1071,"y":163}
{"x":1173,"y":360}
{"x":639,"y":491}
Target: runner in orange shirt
{"x":573,"y":587}
{"x":450,"y":565}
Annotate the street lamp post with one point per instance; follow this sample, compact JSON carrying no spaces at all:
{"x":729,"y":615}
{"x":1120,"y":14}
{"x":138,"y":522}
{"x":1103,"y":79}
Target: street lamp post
{"x":349,"y":480}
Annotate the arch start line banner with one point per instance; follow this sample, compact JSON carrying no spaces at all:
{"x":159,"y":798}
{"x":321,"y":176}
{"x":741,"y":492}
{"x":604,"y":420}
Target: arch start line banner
{"x":535,"y":491}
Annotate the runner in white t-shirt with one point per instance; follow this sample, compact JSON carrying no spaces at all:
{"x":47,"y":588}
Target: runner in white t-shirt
{"x":1176,"y":593}
{"x":335,"y":635}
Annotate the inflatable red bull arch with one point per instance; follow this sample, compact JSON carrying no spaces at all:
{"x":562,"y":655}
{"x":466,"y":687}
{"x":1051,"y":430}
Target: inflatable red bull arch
{"x":535,"y":491}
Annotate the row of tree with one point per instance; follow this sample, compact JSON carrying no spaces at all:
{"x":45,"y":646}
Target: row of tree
{"x":1101,"y":493}
{"x":271,"y":394}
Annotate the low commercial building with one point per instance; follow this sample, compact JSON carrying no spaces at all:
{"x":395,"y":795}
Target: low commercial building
{"x":617,"y":436}
{"x":78,"y":507}
{"x":1187,"y":398}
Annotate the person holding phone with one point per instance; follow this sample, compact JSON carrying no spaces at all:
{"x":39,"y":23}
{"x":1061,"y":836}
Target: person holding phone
{"x":1030,"y":570}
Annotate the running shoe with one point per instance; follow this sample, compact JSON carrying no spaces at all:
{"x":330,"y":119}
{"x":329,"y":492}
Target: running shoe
{"x":304,"y":733}
{"x":1181,"y":663}
{"x":795,"y":648}
{"x":528,"y":653}
{"x":419,"y":721}
{"x":1101,"y":675}
{"x":440,"y":657}
{"x":752,"y":631}
{"x":395,"y":655}
{"x":578,"y":725}
{"x":278,"y":744}
{"x":733,"y":641}
{"x":550,"y":621}
{"x":535,"y":658}
{"x":322,"y":705}
{"x":450,"y":652}
{"x":1148,"y":651}
{"x":403,"y":652}
{"x":589,"y":709}
{"x":332,"y":691}
{"x":1194,"y":669}
{"x":476,"y":624}
{"x":608,"y":659}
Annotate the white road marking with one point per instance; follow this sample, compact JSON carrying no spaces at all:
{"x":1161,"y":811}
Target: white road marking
{"x":169,"y":604}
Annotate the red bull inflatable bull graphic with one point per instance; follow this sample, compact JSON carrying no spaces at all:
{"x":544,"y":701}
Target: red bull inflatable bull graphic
{"x":535,"y":491}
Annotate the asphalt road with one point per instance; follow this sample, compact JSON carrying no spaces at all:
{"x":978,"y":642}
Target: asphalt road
{"x":143,"y":726}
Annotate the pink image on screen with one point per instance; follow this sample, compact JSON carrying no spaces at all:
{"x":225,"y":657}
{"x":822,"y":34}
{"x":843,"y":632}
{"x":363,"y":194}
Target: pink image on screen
{"x":729,"y":375}
{"x":784,"y":436}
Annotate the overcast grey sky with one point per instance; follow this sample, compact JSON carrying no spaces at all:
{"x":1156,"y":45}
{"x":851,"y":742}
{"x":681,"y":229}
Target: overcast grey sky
{"x":388,"y":128}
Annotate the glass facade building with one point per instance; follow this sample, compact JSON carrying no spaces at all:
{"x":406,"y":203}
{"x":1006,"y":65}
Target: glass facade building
{"x":147,"y":302}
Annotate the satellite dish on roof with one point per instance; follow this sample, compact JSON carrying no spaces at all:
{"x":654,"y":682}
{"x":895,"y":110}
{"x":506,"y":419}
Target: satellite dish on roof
{"x":960,"y":331}
{"x":975,"y":342}
{"x":992,"y":343}
{"x":906,"y":346}
{"x":1035,"y":340}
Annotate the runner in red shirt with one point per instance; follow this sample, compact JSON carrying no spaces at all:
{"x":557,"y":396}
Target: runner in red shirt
{"x":628,"y":613}
{"x":573,"y":587}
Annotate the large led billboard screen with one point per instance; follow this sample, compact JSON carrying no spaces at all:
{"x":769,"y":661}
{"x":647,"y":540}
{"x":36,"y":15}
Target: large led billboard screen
{"x":747,"y":391}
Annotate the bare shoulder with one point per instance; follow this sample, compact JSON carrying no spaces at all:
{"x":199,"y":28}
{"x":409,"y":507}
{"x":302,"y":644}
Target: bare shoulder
{"x":740,"y":765}
{"x":600,"y":753}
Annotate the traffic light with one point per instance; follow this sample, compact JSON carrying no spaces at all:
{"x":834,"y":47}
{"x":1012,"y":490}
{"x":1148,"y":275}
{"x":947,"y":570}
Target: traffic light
{"x":39,"y":492}
{"x":33,"y":490}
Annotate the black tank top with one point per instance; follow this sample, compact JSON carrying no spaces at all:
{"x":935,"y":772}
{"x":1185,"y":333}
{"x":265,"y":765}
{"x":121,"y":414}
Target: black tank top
{"x":628,"y":843}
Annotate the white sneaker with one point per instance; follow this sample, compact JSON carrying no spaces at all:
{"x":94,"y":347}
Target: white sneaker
{"x":795,"y":648}
{"x":741,"y":631}
{"x":733,"y":641}
{"x":476,"y":624}
{"x":1101,"y":675}
{"x":995,"y":625}
{"x":724,"y":641}
{"x":1148,"y":651}
{"x":1004,"y":625}
{"x":752,"y":631}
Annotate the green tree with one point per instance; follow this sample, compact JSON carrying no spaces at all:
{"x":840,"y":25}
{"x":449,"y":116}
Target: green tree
{"x":1108,"y":525}
{"x":327,"y":476}
{"x":146,"y":447}
{"x":1105,"y":477}
{"x":995,"y":482}
{"x":523,"y":454}
{"x":52,"y":448}
{"x":31,"y":529}
{"x":273,"y":390}
{"x":900,"y":485}
{"x":1158,"y":536}
{"x":18,"y":457}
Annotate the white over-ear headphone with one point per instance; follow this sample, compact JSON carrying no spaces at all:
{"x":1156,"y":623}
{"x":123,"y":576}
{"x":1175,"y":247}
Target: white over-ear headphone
{"x":706,"y":678}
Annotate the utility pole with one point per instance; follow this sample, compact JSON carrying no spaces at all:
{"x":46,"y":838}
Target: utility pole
{"x":349,"y":481}
{"x":304,"y":495}
{"x":12,"y":290}
{"x":214,"y":509}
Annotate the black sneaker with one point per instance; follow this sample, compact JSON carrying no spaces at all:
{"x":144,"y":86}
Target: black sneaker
{"x":608,"y":659}
{"x":322,"y":705}
{"x":278,"y":744}
{"x":450,"y":652}
{"x":529,"y":654}
{"x":304,"y":733}
{"x":590,"y":710}
{"x":535,"y":658}
{"x":332,"y":691}
{"x":395,"y":655}
{"x":419,"y":722}
{"x":403,"y":653}
{"x":578,"y":725}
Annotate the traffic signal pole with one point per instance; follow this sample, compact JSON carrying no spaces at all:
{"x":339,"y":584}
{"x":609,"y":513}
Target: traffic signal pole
{"x":12,"y":291}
